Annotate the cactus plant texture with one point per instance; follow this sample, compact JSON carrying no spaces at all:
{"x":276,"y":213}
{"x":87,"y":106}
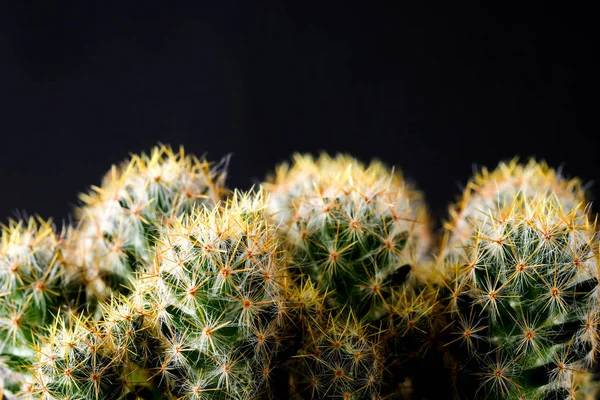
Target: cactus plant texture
{"x":36,"y":285}
{"x":356,"y":231}
{"x":120,"y":219}
{"x":523,"y":295}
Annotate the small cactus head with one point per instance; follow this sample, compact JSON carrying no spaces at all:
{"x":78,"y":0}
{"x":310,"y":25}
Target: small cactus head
{"x":341,"y":358}
{"x":36,"y":285}
{"x":74,"y":363}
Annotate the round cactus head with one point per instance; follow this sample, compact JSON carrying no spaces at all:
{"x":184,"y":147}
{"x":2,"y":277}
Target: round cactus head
{"x":120,"y":219}
{"x":341,"y":358}
{"x":356,"y":231}
{"x":523,"y":292}
{"x":75,"y":363}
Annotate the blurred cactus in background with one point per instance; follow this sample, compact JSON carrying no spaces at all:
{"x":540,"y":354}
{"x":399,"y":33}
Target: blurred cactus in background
{"x":325,"y":283}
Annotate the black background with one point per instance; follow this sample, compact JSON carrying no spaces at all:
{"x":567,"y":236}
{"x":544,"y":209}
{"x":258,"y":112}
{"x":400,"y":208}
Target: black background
{"x":434,"y":90}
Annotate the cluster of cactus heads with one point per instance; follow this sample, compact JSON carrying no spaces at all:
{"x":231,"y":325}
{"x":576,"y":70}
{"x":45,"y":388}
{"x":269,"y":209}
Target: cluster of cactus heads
{"x":326,"y":282}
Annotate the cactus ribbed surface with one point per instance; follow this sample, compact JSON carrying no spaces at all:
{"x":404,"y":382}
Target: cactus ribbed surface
{"x":120,"y":219}
{"x":523,"y":294}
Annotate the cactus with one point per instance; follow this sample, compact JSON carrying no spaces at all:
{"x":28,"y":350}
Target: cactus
{"x":356,"y":231}
{"x":36,"y":285}
{"x":341,"y":358}
{"x":523,"y":295}
{"x":497,"y":189}
{"x":119,"y":221}
{"x":75,"y":363}
{"x":216,"y":303}
{"x":413,"y":333}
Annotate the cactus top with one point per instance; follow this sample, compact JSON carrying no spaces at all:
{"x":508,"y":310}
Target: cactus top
{"x":524,"y":292}
{"x":490,"y":190}
{"x":355,"y":230}
{"x":120,"y":218}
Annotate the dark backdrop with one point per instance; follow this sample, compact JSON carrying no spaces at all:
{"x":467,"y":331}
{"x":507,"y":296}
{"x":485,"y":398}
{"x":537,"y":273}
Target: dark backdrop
{"x":433,"y":90}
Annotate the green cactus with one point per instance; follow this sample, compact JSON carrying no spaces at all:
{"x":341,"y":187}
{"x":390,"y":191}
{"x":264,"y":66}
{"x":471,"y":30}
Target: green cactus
{"x":340,"y":358}
{"x":35,"y":286}
{"x":120,"y":220}
{"x":523,"y":295}
{"x":358,"y":232}
{"x":217,"y":302}
{"x":75,"y":363}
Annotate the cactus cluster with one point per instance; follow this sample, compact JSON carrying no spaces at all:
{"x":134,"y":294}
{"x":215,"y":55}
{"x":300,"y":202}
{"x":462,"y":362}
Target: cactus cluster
{"x":326,"y":282}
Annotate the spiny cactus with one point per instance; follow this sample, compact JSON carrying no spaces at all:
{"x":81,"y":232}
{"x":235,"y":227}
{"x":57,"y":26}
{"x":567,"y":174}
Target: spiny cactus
{"x":35,"y":286}
{"x":356,"y":231}
{"x":75,"y":363}
{"x":130,"y":337}
{"x":497,"y":189}
{"x":217,"y":302}
{"x":120,"y":219}
{"x":523,"y":295}
{"x":341,"y":358}
{"x":413,"y":333}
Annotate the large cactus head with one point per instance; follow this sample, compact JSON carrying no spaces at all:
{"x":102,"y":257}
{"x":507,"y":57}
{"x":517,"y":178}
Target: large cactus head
{"x":523,"y":293}
{"x":120,"y":219}
{"x":216,"y":301}
{"x":357,"y":231}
